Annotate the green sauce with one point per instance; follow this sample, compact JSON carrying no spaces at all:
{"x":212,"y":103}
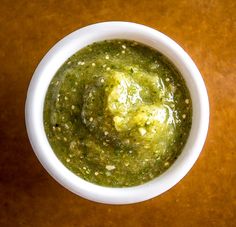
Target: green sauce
{"x":117,"y":113}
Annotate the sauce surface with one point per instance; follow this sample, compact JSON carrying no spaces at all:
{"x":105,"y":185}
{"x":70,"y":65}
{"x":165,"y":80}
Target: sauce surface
{"x":117,"y":113}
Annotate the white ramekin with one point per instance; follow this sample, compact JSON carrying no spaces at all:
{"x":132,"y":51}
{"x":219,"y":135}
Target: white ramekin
{"x":49,"y":65}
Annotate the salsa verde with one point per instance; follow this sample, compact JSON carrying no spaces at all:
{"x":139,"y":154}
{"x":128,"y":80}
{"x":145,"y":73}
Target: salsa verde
{"x":117,"y":113}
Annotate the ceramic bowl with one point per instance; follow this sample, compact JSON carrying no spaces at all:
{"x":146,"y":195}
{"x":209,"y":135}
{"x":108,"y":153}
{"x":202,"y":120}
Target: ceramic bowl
{"x":65,"y":48}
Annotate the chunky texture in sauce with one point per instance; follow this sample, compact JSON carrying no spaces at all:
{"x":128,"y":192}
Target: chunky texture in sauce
{"x":117,"y":113}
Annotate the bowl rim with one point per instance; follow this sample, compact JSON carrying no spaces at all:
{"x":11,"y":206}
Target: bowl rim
{"x":58,"y":54}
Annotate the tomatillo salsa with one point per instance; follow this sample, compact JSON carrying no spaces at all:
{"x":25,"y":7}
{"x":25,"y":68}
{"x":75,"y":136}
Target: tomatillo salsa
{"x":117,"y":113}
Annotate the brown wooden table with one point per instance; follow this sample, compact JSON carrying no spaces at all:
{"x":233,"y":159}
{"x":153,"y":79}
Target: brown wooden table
{"x":205,"y":197}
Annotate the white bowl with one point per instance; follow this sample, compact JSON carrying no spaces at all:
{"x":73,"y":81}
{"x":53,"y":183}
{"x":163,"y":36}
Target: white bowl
{"x":65,"y":48}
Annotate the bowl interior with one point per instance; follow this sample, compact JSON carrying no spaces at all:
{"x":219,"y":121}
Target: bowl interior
{"x":67,"y":47}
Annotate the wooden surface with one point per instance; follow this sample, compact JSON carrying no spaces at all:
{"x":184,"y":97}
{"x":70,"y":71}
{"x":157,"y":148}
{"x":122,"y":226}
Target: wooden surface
{"x":205,"y":197}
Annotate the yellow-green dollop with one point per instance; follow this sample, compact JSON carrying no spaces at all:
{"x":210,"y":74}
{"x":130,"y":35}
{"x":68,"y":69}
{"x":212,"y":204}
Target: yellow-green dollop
{"x":117,"y":113}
